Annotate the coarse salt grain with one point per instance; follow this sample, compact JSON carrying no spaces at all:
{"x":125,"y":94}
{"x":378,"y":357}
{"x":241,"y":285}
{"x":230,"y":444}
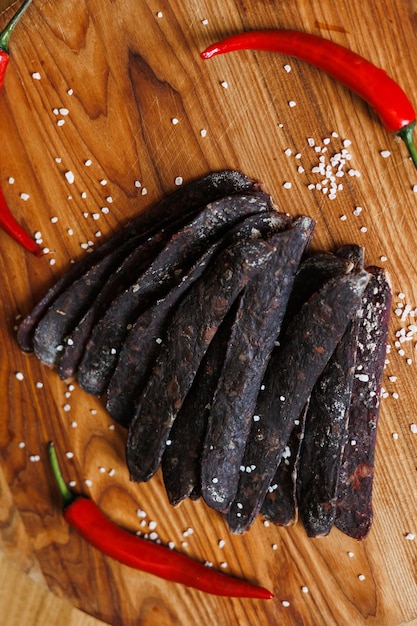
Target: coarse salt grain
{"x":287,"y":185}
{"x":19,"y":376}
{"x":385,"y":154}
{"x":224,"y":84}
{"x":361,"y":577}
{"x":285,"y":603}
{"x":410,"y":536}
{"x":178,"y":181}
{"x":292,"y":104}
{"x":25,"y":196}
{"x":413,"y":428}
{"x":70,"y":177}
{"x":36,"y":76}
{"x":11,"y":180}
{"x":88,"y":482}
{"x":287,"y":68}
{"x":304,"y":589}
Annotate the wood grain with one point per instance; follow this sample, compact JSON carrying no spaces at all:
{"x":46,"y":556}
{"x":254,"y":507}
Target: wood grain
{"x":113,"y":77}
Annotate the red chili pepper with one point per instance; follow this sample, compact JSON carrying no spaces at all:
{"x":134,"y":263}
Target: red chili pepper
{"x":5,"y":37}
{"x":13,"y":228}
{"x":82,"y":514}
{"x":371,"y":83}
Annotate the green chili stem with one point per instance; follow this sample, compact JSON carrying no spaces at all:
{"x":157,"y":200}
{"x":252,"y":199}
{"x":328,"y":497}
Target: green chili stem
{"x":67,"y":497}
{"x":406,"y":135}
{"x":9,"y":28}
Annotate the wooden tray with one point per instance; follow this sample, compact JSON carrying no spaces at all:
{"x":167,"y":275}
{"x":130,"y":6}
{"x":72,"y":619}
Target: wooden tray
{"x":115,"y":92}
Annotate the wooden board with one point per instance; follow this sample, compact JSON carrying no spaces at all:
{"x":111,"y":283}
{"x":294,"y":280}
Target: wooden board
{"x":95,"y":88}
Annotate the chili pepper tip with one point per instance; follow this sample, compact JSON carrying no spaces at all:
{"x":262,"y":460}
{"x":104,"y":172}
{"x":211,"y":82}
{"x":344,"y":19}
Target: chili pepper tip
{"x":406,"y":135}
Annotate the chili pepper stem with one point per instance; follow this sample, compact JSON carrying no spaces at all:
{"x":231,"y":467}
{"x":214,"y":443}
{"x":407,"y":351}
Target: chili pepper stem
{"x":406,"y":135}
{"x":9,"y":28}
{"x":67,"y":497}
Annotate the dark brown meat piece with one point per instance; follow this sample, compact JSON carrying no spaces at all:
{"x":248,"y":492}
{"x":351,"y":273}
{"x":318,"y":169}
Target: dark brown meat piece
{"x":184,"y":201}
{"x":143,"y":340}
{"x":193,"y":326}
{"x":181,"y":461}
{"x":354,"y":512}
{"x":255,"y":329}
{"x":290,"y":377}
{"x":326,"y":426}
{"x":325,"y":436}
{"x":182,"y":250}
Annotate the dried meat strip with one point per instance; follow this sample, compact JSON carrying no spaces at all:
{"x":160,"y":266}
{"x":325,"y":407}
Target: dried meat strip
{"x":354,"y":512}
{"x":326,"y":426}
{"x":143,"y":340}
{"x":181,"y":461}
{"x":184,"y":201}
{"x":256,"y":327}
{"x":290,"y":377}
{"x":62,"y":316}
{"x":182,"y":250}
{"x":325,"y":436}
{"x":280,"y":504}
{"x":193,"y":326}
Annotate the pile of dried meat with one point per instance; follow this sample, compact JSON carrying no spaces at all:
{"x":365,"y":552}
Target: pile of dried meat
{"x":245,"y":367}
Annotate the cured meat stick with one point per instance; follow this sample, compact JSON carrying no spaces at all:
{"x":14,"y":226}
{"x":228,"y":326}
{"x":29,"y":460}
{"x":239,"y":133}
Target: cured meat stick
{"x":280,"y":504}
{"x":64,"y":313}
{"x":289,"y":379}
{"x":193,"y":326}
{"x":326,"y":426}
{"x":183,"y":249}
{"x":143,"y":340}
{"x":184,"y":201}
{"x":181,"y":461}
{"x":254,"y":331}
{"x":354,"y":512}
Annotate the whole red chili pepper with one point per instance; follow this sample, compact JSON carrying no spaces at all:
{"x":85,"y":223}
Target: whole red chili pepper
{"x":82,"y":514}
{"x":5,"y":37}
{"x":371,"y":83}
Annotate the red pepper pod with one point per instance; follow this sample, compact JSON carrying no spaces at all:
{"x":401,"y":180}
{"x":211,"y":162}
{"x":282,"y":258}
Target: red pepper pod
{"x":362,"y":77}
{"x":86,"y":518}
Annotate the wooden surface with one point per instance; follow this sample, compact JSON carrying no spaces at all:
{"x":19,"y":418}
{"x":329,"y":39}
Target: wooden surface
{"x":103,"y":81}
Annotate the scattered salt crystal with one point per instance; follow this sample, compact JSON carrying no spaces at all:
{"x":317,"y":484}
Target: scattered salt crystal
{"x":224,"y":84}
{"x":274,"y":546}
{"x":60,"y":122}
{"x":11,"y":180}
{"x":357,"y":210}
{"x":410,"y":536}
{"x":413,"y":428}
{"x":343,"y":218}
{"x":203,"y":132}
{"x":361,"y":577}
{"x":24,"y":196}
{"x":103,"y":182}
{"x":63,"y":111}
{"x":69,"y":455}
{"x":287,"y":68}
{"x":351,"y":554}
{"x":21,"y":444}
{"x":205,"y":22}
{"x":88,"y":482}
{"x":102,"y":470}
{"x":287,"y":185}
{"x":74,"y":424}
{"x":140,"y":513}
{"x":292,"y":104}
{"x":363,"y":229}
{"x":70,"y":177}
{"x":152,"y":525}
{"x":285,"y":603}
{"x":385,"y":154}
{"x":36,"y":76}
{"x":144,"y":191}
{"x":304,"y":589}
{"x":39,"y":385}
{"x":34,"y":458}
{"x":54,"y":220}
{"x":179,"y":180}
{"x":105,"y":209}
{"x":67,"y":408}
{"x":395,"y":436}
{"x":288,"y":152}
{"x":159,"y":14}
{"x":221,"y":543}
{"x":19,"y":376}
